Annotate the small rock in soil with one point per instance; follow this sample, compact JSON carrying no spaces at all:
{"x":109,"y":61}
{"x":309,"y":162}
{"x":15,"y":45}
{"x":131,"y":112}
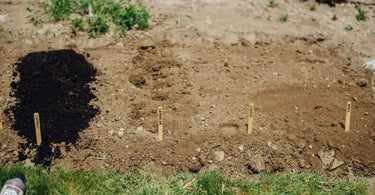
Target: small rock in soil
{"x":362,"y":82}
{"x":256,"y":164}
{"x":121,"y":132}
{"x":111,"y":132}
{"x":240,"y":148}
{"x":336,"y":164}
{"x":28,"y":163}
{"x":219,"y":156}
{"x":326,"y":157}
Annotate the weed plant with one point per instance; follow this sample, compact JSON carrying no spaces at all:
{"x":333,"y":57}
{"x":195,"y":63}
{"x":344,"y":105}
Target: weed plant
{"x":348,"y":27}
{"x":77,"y":25}
{"x":97,"y":26}
{"x":334,"y":17}
{"x":312,"y":7}
{"x":272,"y":4}
{"x":58,"y":9}
{"x":99,"y":15}
{"x":361,"y":14}
{"x":283,"y":18}
{"x":37,"y":21}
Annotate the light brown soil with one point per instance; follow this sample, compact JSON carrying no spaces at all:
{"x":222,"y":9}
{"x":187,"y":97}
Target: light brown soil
{"x":205,"y":62}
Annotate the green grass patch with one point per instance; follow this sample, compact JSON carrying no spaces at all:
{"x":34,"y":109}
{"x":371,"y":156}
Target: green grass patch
{"x":98,"y":15}
{"x":40,"y":180}
{"x":77,"y":25}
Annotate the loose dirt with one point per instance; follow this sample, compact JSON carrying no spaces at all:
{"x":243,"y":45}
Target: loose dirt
{"x":205,"y":62}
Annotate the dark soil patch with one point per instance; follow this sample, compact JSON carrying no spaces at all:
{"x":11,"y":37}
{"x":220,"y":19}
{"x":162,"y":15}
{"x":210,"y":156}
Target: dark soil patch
{"x":54,"y":84}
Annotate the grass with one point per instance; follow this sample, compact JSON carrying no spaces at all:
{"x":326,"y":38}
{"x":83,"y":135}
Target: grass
{"x":40,"y":180}
{"x":98,"y":15}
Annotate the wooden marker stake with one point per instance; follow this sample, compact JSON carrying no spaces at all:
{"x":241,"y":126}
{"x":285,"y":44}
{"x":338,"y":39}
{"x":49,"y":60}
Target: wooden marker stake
{"x":1,"y":121}
{"x":160,"y":122}
{"x":251,"y":115}
{"x":37,"y":129}
{"x":348,"y":112}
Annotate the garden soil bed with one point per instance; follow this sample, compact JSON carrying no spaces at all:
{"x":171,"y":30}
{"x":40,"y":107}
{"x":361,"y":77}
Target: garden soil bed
{"x":204,"y":68}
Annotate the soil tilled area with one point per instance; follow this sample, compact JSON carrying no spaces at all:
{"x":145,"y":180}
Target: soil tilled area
{"x":205,"y":70}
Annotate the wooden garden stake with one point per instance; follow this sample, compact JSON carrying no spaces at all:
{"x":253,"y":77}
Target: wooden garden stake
{"x":348,"y":111}
{"x":160,"y":122}
{"x":37,"y":129}
{"x":251,"y":115}
{"x":1,"y":121}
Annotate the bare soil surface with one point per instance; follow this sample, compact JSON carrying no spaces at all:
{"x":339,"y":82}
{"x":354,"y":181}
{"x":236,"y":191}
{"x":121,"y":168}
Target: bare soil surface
{"x":205,"y":61}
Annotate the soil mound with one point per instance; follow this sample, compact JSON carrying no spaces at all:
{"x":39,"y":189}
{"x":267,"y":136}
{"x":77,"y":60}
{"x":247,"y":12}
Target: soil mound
{"x":54,"y":84}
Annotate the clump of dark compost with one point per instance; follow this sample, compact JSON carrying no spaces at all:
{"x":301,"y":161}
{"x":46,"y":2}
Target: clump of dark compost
{"x":54,"y":84}
{"x":331,"y":3}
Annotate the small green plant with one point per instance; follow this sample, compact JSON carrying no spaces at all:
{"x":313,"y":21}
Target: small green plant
{"x":59,"y":9}
{"x":334,"y":17}
{"x":8,"y":30}
{"x":77,"y":25}
{"x":47,"y":32}
{"x":37,"y":21}
{"x":283,"y":18}
{"x":181,"y":18}
{"x":29,"y":9}
{"x":312,"y":7}
{"x":124,"y":14}
{"x":272,"y":4}
{"x":361,"y":14}
{"x":348,"y":27}
{"x":269,"y":18}
{"x":129,"y":16}
{"x":97,"y":26}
